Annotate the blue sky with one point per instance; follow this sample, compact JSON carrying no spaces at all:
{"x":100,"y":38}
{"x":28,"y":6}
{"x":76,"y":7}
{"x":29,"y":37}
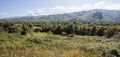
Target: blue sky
{"x":11,"y":8}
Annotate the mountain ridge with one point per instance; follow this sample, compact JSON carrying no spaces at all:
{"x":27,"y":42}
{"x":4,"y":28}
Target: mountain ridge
{"x":96,"y":15}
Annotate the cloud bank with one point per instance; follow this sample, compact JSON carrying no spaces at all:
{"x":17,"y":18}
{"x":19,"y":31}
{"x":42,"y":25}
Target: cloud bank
{"x":74,"y":8}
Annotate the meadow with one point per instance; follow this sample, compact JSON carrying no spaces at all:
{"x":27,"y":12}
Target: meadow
{"x":48,"y":44}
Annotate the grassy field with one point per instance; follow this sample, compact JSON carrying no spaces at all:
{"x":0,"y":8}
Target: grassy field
{"x":49,"y":45}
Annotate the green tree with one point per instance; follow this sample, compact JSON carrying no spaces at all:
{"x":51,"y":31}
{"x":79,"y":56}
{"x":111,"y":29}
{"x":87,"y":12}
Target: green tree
{"x":58,"y":30}
{"x":101,"y":31}
{"x":110,"y":32}
{"x":25,"y":30}
{"x":70,"y":29}
{"x":94,"y":31}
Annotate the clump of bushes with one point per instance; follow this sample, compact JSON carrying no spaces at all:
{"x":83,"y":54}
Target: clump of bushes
{"x":117,"y":35}
{"x":111,"y":53}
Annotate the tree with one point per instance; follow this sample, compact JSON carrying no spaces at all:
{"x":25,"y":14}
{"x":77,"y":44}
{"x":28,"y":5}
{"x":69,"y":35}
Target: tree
{"x":58,"y":30}
{"x":70,"y":29}
{"x":25,"y":29}
{"x":93,"y":31}
{"x":14,"y":29}
{"x":77,"y":29}
{"x":110,"y":32}
{"x":101,"y":31}
{"x":38,"y":29}
{"x":7,"y":25}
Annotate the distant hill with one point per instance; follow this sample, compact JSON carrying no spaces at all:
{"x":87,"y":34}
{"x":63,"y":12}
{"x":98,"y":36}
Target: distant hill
{"x":97,"y":15}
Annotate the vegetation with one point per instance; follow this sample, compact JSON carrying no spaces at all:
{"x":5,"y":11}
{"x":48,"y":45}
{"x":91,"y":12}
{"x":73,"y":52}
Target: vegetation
{"x":59,"y":39}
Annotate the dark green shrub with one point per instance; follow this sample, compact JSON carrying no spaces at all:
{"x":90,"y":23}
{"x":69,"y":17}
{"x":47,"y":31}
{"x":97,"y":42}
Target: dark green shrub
{"x":37,"y":29}
{"x":23,"y":33}
{"x":111,"y":53}
{"x":115,"y":53}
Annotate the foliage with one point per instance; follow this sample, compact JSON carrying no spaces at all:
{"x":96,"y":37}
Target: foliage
{"x":58,"y":39}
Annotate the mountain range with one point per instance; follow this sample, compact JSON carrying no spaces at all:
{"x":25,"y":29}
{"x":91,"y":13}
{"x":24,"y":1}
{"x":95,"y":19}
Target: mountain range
{"x":96,"y":15}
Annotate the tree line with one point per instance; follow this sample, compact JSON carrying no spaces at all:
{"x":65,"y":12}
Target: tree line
{"x":62,"y":28}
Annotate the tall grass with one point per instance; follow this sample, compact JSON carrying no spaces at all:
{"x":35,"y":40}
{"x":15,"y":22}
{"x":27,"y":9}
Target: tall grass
{"x":49,"y":45}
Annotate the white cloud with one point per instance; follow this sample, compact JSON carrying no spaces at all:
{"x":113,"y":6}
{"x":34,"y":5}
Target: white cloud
{"x":32,"y":13}
{"x":54,"y":10}
{"x":86,"y":7}
{"x":74,"y":8}
{"x":40,"y":10}
{"x":63,"y":9}
{"x":99,"y":3}
{"x":3,"y":13}
{"x":113,"y":7}
{"x":29,"y":11}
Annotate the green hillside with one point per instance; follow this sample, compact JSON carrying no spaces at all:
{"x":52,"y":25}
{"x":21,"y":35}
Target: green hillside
{"x":98,"y":15}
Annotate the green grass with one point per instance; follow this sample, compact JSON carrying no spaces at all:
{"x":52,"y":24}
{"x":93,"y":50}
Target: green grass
{"x":49,"y":45}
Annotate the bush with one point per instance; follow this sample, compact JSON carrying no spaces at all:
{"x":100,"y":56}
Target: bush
{"x":115,"y":52}
{"x":35,"y":40}
{"x":117,"y":36}
{"x":37,"y":29}
{"x":111,"y":53}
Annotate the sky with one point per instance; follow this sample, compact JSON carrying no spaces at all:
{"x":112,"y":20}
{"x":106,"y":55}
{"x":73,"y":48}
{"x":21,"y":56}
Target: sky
{"x":12,"y":8}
